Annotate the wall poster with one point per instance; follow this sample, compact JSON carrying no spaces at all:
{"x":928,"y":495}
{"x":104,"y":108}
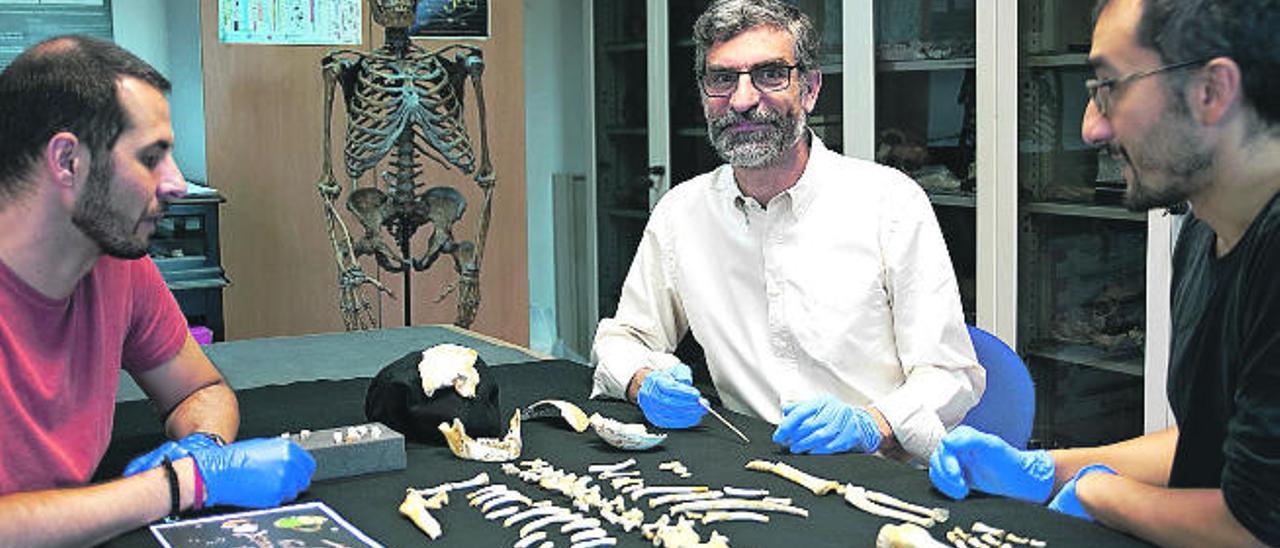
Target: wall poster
{"x":291,"y":22}
{"x":451,"y":19}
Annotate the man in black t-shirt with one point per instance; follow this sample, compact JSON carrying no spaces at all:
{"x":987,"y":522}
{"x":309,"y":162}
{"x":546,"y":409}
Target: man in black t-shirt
{"x":1184,"y":98}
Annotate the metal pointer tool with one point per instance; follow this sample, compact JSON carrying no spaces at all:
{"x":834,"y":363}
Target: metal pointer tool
{"x":707,"y":405}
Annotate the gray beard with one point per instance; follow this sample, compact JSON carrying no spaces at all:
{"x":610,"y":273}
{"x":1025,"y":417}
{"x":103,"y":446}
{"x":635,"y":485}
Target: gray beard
{"x":756,"y":149}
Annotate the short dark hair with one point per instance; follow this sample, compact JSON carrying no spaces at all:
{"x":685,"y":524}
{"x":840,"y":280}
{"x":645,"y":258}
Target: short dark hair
{"x":66,"y":83}
{"x":725,"y":19}
{"x":1247,"y":31}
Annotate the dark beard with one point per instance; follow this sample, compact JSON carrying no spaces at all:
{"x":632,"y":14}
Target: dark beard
{"x":97,"y":219}
{"x":761,"y":148}
{"x":1179,"y":158}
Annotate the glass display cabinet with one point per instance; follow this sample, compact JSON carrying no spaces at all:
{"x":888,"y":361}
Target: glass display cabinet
{"x":925,"y":116}
{"x":185,"y":247}
{"x":980,"y":101}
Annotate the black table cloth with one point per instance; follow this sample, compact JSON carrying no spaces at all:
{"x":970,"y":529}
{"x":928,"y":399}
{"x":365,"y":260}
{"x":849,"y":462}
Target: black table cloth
{"x":712,"y":453}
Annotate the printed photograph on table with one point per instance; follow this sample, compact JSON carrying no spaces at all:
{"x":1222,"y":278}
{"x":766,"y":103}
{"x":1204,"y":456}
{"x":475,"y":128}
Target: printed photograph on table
{"x":451,"y":19}
{"x":310,"y":524}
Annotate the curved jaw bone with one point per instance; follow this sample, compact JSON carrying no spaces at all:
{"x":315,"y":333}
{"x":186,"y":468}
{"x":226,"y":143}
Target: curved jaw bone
{"x":571,"y":413}
{"x":483,"y":449}
{"x":632,"y":437}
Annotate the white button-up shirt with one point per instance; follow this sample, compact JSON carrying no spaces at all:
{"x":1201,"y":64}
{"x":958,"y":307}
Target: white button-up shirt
{"x":842,"y":286}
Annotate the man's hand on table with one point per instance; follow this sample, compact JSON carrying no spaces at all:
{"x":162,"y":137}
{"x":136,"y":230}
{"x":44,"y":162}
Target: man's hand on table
{"x":667,"y":397}
{"x":256,"y":473}
{"x":827,"y":425}
{"x":173,"y":450}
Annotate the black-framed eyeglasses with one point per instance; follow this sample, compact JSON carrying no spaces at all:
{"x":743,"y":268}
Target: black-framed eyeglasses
{"x":766,"y":78}
{"x":1100,"y":89}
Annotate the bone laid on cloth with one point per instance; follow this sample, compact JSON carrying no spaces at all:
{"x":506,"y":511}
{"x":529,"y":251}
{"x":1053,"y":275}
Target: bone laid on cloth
{"x":415,"y":509}
{"x":857,"y":496}
{"x":483,"y":449}
{"x":572,"y":414}
{"x":815,"y":484}
{"x":906,"y":535}
{"x":737,"y":504}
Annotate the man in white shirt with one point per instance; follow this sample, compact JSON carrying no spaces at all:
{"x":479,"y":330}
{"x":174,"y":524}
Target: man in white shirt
{"x":818,"y":285}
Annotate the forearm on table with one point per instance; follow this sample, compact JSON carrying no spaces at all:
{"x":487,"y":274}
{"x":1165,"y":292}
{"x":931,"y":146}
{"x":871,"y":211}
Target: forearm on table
{"x":86,"y":516}
{"x":1167,"y":517}
{"x":1146,"y":459}
{"x":212,"y":408}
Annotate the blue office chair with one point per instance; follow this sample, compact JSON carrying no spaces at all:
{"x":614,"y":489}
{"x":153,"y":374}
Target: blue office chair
{"x":1009,"y":403}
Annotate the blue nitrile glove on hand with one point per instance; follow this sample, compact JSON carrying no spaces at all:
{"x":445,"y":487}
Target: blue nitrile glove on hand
{"x":1067,"y":502}
{"x":256,"y":473}
{"x":827,"y":425}
{"x":173,"y":450}
{"x":669,"y":400}
{"x":968,"y":459}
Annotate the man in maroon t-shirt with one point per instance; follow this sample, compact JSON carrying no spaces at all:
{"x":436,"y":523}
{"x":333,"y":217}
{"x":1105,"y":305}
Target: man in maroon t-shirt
{"x":86,"y":168}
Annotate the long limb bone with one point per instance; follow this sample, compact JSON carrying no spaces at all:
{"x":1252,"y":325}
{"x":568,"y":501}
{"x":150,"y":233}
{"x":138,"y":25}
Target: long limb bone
{"x":815,"y":484}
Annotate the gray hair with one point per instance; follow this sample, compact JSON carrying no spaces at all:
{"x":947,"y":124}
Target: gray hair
{"x":725,"y":19}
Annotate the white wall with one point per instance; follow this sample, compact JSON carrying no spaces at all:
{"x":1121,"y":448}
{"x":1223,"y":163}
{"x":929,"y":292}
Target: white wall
{"x":557,"y":139}
{"x":167,"y":35}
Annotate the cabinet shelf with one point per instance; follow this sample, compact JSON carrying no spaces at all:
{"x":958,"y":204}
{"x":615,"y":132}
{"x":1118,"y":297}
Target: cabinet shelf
{"x":1085,"y":210}
{"x":954,"y":200}
{"x":624,"y":47}
{"x":627,"y":213}
{"x":1087,"y":356}
{"x":925,"y":65}
{"x":1058,"y":60}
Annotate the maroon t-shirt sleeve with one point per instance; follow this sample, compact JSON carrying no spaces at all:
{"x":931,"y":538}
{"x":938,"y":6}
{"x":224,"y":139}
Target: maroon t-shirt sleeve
{"x":157,"y":328}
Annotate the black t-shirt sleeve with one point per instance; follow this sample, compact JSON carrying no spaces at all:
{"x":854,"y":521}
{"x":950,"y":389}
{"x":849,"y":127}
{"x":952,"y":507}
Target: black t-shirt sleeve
{"x":1251,"y":476}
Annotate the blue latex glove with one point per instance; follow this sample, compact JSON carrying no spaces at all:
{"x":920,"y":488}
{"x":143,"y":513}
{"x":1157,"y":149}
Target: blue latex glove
{"x":827,"y":425}
{"x":1067,"y":502}
{"x":968,"y":459}
{"x":256,"y":473}
{"x":173,"y":450}
{"x":669,"y":400}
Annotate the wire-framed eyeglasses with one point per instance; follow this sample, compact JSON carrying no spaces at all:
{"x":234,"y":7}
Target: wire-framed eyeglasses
{"x":766,"y":78}
{"x":1100,"y":89}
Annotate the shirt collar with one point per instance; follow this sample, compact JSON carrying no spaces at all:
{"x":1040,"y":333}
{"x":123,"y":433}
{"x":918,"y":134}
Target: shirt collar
{"x":800,"y":194}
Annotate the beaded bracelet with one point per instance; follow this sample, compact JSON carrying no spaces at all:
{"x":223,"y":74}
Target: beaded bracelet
{"x":175,"y":494}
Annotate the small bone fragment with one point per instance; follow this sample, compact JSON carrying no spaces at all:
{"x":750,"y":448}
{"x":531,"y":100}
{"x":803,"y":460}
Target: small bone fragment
{"x":501,"y":513}
{"x":741,"y":515}
{"x":547,"y":520}
{"x":736,"y":504}
{"x":589,"y":534}
{"x":597,"y":468}
{"x":857,"y":496}
{"x":414,"y":508}
{"x":906,"y":535}
{"x":815,"y":484}
{"x":666,"y":489}
{"x":477,"y":481}
{"x":940,"y":515}
{"x":537,"y":511}
{"x":504,"y":499}
{"x":675,"y":498}
{"x":744,"y":493}
{"x":980,"y":528}
{"x":583,"y":523}
{"x":528,"y":541}
{"x":571,"y":413}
